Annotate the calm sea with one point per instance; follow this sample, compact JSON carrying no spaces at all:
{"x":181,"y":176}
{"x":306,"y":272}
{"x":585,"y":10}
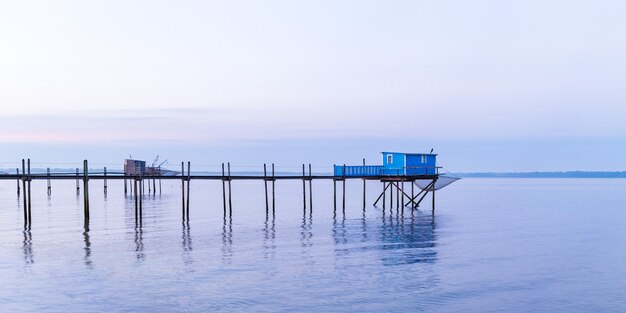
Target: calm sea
{"x":493,"y":245}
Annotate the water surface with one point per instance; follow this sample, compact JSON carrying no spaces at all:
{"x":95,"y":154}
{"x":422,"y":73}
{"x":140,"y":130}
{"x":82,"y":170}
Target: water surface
{"x":517,"y":245}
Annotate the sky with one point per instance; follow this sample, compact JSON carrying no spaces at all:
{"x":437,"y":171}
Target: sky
{"x":489,"y":85}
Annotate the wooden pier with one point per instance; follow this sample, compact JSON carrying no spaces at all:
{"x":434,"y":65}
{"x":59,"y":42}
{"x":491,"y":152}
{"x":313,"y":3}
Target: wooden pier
{"x":390,"y":181}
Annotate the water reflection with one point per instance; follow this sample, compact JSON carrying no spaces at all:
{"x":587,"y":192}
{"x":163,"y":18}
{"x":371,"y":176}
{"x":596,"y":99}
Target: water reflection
{"x":414,"y":239}
{"x":227,"y":240}
{"x":28,"y":246}
{"x":186,"y":243}
{"x":87,"y":248}
{"x":306,"y":234}
{"x":269,"y":231}
{"x":402,"y":240}
{"x":139,"y":243}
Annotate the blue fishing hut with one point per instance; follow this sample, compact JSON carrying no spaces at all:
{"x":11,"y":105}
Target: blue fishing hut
{"x":399,"y":163}
{"x":394,"y":164}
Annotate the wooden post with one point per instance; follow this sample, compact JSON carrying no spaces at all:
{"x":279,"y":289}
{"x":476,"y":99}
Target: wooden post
{"x":230,"y":196}
{"x":224,"y":189}
{"x":125,"y":188}
{"x":49,"y":185}
{"x":25,"y":193}
{"x":334,"y":190}
{"x":188,"y":184}
{"x":310,"y":190}
{"x":334,"y":194}
{"x":402,"y":192}
{"x":182,"y":184}
{"x":273,"y":194}
{"x":434,"y":182}
{"x":105,"y":180}
{"x":303,"y":190}
{"x":77,"y":186}
{"x":385,"y":186}
{"x":29,"y":195}
{"x":397,"y":195}
{"x":17,"y":172}
{"x":267,"y":204}
{"x":160,"y":179}
{"x":391,"y":195}
{"x":136,"y":200}
{"x":140,"y":196}
{"x":344,"y":189}
{"x":86,"y":188}
{"x":364,"y":187}
{"x":154,"y":186}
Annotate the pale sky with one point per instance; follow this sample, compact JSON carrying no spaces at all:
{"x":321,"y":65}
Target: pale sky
{"x":491,"y":85}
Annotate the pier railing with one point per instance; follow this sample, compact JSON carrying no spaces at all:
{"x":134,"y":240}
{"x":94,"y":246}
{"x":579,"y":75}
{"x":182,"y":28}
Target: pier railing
{"x":379,"y":170}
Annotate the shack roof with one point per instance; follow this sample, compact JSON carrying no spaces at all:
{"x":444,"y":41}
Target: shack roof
{"x":409,"y":153}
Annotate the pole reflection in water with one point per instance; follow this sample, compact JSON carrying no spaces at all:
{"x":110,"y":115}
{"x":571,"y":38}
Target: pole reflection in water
{"x":414,"y":243}
{"x":139,"y":242}
{"x":306,"y":234}
{"x":339,"y":233}
{"x":186,"y":243}
{"x":28,"y":246}
{"x":227,"y":241}
{"x":399,"y":239}
{"x":269,"y":241}
{"x":87,"y":248}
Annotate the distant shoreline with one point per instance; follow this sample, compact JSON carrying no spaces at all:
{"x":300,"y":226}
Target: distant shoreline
{"x":569,"y":174}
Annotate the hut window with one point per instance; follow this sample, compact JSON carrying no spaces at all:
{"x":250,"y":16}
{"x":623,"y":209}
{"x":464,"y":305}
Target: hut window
{"x":423,"y":159}
{"x":389,"y":158}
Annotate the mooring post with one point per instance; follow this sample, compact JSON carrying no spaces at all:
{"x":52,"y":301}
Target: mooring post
{"x":25,"y":193}
{"x":49,"y":186}
{"x":385,"y":186}
{"x":310,"y":190}
{"x":397,"y":195}
{"x":135,"y":196}
{"x":402,"y":191}
{"x":334,"y":194}
{"x":267,"y":204}
{"x":77,"y":185}
{"x":86,"y":188}
{"x":303,"y":189}
{"x":188,"y":184}
{"x":29,"y":195}
{"x":364,"y":187}
{"x":390,"y":195}
{"x":125,"y":188}
{"x":182,"y":185}
{"x":105,"y":180}
{"x":230,"y":196}
{"x":344,"y":189}
{"x":273,"y":193}
{"x":434,"y":183}
{"x":160,"y":179}
{"x":334,"y":190}
{"x":141,"y":196}
{"x":17,"y":172}
{"x":224,"y":189}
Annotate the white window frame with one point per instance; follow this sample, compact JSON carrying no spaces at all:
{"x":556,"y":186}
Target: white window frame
{"x":389,"y":158}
